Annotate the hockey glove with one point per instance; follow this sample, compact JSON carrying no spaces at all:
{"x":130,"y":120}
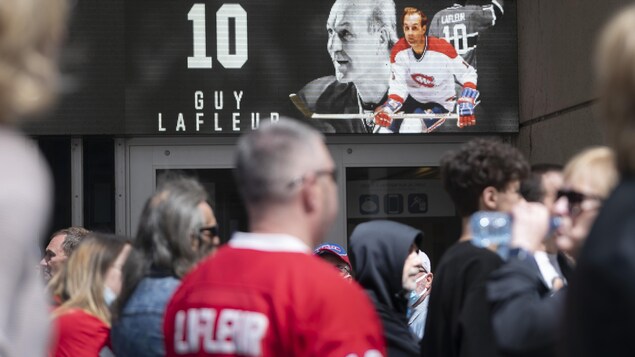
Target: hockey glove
{"x":466,"y":104}
{"x":383,"y":113}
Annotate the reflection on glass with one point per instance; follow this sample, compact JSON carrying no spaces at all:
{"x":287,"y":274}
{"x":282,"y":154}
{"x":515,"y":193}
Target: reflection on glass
{"x":409,"y":195}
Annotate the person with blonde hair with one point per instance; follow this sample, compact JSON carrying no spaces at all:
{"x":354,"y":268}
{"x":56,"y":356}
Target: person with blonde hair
{"x":600,"y":314}
{"x":31,"y":31}
{"x":88,"y":284}
{"x":526,"y":310}
{"x":589,"y":178}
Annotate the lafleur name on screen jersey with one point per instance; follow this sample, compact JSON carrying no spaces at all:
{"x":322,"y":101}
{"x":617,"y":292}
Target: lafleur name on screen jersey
{"x":253,"y":302}
{"x":430,"y":77}
{"x":460,"y":25}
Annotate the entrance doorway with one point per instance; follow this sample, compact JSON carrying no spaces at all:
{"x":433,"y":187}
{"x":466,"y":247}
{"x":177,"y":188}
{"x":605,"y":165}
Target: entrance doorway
{"x":394,"y":181}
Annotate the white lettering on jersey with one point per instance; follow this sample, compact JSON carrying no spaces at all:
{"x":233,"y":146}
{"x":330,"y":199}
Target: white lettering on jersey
{"x":452,"y":18}
{"x":228,"y":332}
{"x":369,"y":353}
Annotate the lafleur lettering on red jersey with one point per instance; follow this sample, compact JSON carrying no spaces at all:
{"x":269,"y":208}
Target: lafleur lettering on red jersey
{"x":228,"y":331}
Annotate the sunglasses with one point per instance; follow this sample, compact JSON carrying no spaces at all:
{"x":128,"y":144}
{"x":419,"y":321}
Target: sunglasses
{"x":575,"y":199}
{"x":205,"y":238}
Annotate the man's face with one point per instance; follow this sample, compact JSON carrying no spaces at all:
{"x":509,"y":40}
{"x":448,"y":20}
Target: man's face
{"x":413,"y":31}
{"x":54,"y":257}
{"x":551,"y":182}
{"x":507,"y":198}
{"x":354,"y":51}
{"x":411,"y":269}
{"x":342,"y":267}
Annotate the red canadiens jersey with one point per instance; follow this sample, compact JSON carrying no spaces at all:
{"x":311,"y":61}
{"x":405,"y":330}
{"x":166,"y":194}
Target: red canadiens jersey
{"x":460,"y":25}
{"x":79,"y":334}
{"x":266,"y":295}
{"x":431,"y":77}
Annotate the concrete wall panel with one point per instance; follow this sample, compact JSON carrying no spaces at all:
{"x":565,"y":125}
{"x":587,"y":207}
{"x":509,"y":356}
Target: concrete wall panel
{"x":555,"y":44}
{"x":557,"y":139}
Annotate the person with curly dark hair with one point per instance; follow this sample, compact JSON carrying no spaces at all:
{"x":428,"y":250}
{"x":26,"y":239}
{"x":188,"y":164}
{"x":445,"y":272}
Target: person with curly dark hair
{"x":483,"y":175}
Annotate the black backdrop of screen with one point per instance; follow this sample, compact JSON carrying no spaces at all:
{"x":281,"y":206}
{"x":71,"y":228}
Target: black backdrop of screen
{"x":125,"y":67}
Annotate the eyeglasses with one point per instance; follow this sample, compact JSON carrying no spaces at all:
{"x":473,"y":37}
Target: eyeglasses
{"x":575,"y":199}
{"x":205,"y":237}
{"x":332,"y":173}
{"x":211,"y":230}
{"x":344,"y":270}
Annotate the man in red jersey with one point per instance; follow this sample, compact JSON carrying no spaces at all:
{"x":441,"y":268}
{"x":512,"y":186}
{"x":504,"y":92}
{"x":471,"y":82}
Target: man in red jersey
{"x":264,"y":294}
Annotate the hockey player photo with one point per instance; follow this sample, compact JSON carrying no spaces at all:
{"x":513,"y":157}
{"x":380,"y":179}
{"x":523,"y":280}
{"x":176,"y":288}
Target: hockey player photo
{"x":359,"y":44}
{"x":424,"y":72}
{"x":381,"y":85}
{"x":216,"y":68}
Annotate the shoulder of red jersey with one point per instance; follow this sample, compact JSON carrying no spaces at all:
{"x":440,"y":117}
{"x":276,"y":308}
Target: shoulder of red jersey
{"x":401,"y":45}
{"x":442,"y":46}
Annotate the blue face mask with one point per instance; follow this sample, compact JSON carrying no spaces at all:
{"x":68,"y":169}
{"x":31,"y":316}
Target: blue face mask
{"x":109,"y":296}
{"x":414,"y":296}
{"x":412,"y":299}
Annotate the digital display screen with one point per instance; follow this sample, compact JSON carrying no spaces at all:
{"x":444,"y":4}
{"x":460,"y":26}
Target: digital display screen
{"x":195,"y":67}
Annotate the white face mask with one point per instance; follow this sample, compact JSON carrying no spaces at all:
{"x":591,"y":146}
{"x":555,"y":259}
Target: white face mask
{"x":109,"y":295}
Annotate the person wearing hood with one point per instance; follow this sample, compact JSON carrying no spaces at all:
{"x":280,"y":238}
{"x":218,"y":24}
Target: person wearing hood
{"x":385,"y":259}
{"x":419,"y":297}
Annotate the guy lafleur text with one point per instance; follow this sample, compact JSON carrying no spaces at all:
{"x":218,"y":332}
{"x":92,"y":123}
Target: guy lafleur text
{"x":213,"y":121}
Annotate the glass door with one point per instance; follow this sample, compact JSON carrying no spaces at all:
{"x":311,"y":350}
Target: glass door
{"x":382,"y":180}
{"x":410,"y":195}
{"x":400,"y":182}
{"x":211,"y":164}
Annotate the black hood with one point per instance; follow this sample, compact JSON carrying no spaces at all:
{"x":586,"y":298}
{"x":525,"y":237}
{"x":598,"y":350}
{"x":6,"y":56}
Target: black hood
{"x":378,"y":251}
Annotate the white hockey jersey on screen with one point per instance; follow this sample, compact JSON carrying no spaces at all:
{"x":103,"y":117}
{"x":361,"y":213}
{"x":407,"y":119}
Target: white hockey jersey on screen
{"x":432,"y":77}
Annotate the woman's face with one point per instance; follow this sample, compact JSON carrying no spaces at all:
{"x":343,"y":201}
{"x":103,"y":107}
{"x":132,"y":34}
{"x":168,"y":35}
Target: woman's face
{"x":577,"y":203}
{"x":113,"y":275}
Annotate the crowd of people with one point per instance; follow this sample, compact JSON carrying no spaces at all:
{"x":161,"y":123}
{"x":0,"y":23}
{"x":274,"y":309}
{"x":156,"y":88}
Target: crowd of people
{"x":280,"y":290}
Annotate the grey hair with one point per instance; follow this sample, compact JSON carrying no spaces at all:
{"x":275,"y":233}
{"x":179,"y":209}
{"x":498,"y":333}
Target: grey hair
{"x":384,"y":17}
{"x":270,"y":158}
{"x":73,"y":236}
{"x":167,"y":224}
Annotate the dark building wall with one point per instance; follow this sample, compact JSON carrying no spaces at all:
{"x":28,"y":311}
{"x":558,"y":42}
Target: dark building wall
{"x":556,"y":41}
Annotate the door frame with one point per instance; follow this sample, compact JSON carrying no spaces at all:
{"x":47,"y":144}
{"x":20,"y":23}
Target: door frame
{"x":139,"y":159}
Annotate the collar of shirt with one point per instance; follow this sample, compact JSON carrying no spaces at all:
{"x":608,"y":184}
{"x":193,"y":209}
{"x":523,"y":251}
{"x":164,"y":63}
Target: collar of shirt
{"x":269,"y":242}
{"x":548,"y":265}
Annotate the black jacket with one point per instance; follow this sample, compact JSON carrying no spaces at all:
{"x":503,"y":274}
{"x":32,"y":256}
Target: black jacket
{"x":600,"y":313}
{"x":526,"y":315}
{"x":326,"y":95}
{"x":458,"y":322}
{"x":378,"y":251}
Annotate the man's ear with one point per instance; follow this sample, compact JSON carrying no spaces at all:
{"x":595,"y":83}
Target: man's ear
{"x":384,"y":38}
{"x":429,"y":280}
{"x":489,"y":199}
{"x":310,"y":195}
